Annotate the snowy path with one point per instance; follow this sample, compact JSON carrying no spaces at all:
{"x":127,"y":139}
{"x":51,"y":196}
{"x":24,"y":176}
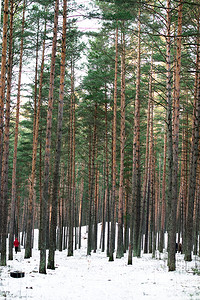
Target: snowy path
{"x":94,"y":277}
{"x":83,"y":277}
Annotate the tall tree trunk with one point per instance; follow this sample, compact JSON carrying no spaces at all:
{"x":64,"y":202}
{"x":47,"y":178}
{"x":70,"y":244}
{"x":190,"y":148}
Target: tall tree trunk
{"x":152,"y":180}
{"x":56,"y":175}
{"x":36,"y":77}
{"x":88,"y":218}
{"x":7,"y":130}
{"x":28,"y":249}
{"x":106,"y":196}
{"x":91,"y":202}
{"x":169,"y":111}
{"x":114,"y":167}
{"x":3,"y":78}
{"x":193,"y":165}
{"x":127,"y":216}
{"x":81,"y":204}
{"x":120,"y":247}
{"x":14,"y":170}
{"x":96,"y":206}
{"x":163,"y":199}
{"x":40,"y":192}
{"x":183,"y":182}
{"x":45,"y":193}
{"x":135,"y":245}
{"x":2,"y":96}
{"x":175,"y":140}
{"x":4,"y":186}
{"x":146,"y":175}
{"x":61,"y":196}
{"x":74,"y":168}
{"x":71,"y":167}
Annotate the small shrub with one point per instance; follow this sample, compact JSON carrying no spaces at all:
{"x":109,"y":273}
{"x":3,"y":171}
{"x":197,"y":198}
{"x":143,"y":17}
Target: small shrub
{"x":196,"y":271}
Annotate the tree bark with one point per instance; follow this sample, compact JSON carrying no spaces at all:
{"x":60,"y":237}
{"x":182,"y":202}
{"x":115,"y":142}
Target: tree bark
{"x":71,"y":167}
{"x":163,"y":199}
{"x":28,"y":249}
{"x":4,"y":184}
{"x":106,"y":195}
{"x":169,"y":121}
{"x":2,"y":96}
{"x":91,"y":203}
{"x":114,"y":167}
{"x":14,"y":170}
{"x":81,"y":204}
{"x":193,"y":166}
{"x":147,"y":165}
{"x":3,"y":78}
{"x":56,"y":175}
{"x":45,"y":193}
{"x":120,"y":247}
{"x":175,"y":141}
{"x":135,"y":245}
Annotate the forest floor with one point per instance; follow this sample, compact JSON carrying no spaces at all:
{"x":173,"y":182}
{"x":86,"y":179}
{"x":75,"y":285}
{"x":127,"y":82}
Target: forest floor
{"x":95,"y":278}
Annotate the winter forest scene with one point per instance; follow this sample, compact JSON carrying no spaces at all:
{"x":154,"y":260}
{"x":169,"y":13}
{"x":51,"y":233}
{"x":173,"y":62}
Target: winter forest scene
{"x":99,"y":149}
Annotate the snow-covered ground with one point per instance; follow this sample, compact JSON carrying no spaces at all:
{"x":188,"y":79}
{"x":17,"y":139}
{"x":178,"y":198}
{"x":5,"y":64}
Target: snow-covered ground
{"x":95,"y":278}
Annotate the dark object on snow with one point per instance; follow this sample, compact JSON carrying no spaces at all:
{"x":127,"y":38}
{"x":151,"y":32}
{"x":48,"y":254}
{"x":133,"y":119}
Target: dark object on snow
{"x":17,"y":274}
{"x":16,"y":244}
{"x":180,"y":248}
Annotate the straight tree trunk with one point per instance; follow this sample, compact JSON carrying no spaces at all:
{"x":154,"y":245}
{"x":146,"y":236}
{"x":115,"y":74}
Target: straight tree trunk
{"x":61,"y":209}
{"x":182,"y":190}
{"x":127,"y":216}
{"x":74,"y":215}
{"x":28,"y":249}
{"x":4,"y":185}
{"x":135,"y":245}
{"x":89,"y":208}
{"x":197,"y":197}
{"x":71,"y":167}
{"x":81,"y":205}
{"x":146,"y":175}
{"x":120,"y":247}
{"x":106,"y":196}
{"x":185,"y":188}
{"x":7,"y":130}
{"x":36,"y":78}
{"x":163,"y":199}
{"x":40,"y":188}
{"x":152,"y":180}
{"x":14,"y":170}
{"x":2,"y":81}
{"x":169,"y":116}
{"x":175,"y":140}
{"x":114,"y":167}
{"x":2,"y":96}
{"x":91,"y":203}
{"x":56,"y":175}
{"x":96,"y":206}
{"x":193,"y":168}
{"x":45,"y":193}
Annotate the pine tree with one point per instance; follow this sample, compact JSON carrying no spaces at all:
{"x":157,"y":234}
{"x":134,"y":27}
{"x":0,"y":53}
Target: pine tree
{"x":53,"y":224}
{"x":45,"y":193}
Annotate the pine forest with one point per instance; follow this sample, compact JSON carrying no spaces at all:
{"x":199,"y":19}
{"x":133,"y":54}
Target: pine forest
{"x":100,"y":124}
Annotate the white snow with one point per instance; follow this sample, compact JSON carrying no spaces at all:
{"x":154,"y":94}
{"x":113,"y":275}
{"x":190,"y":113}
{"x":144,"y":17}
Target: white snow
{"x":95,"y":278}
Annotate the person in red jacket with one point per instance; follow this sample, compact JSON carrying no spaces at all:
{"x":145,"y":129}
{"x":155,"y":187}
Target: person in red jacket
{"x":16,"y":244}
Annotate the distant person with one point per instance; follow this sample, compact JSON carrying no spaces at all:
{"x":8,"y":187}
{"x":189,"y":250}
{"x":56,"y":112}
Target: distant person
{"x":180,"y":248}
{"x":16,"y":244}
